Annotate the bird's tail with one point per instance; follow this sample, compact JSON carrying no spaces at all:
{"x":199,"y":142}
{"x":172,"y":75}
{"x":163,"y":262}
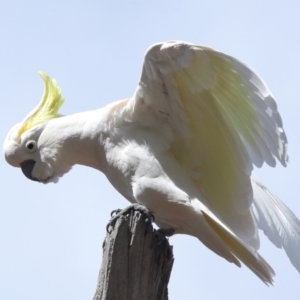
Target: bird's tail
{"x":241,"y":250}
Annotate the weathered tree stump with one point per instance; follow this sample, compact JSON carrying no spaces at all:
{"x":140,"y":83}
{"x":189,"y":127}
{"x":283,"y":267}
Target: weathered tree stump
{"x":136,"y":264}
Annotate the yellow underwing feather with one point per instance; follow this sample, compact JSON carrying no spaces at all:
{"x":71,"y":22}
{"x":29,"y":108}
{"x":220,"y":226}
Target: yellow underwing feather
{"x":221,"y":119}
{"x":213,"y":123}
{"x":232,"y":97}
{"x":250,"y":258}
{"x":48,"y":107}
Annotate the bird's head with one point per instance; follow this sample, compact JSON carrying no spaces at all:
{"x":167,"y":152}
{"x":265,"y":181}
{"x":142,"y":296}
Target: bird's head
{"x":27,"y":147}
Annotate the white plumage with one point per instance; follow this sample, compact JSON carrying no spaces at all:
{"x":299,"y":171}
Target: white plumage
{"x":184,"y":146}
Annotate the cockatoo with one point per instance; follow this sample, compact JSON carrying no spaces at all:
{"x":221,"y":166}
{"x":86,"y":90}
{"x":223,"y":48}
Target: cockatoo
{"x":183,"y":146}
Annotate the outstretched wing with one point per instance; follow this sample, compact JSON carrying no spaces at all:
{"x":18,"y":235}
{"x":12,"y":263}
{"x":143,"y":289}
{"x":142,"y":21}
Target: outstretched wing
{"x":277,"y":221}
{"x":223,"y":119}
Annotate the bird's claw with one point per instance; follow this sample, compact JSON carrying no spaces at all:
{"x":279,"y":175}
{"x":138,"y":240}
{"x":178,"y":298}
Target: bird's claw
{"x":115,"y":214}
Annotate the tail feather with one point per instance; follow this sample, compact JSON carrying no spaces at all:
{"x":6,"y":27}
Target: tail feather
{"x":242,"y":251}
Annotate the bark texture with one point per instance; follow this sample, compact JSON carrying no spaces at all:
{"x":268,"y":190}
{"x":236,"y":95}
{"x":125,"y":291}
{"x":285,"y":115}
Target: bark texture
{"x":136,"y":263}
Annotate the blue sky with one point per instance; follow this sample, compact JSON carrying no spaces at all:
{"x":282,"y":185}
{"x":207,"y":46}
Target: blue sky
{"x":51,"y":235}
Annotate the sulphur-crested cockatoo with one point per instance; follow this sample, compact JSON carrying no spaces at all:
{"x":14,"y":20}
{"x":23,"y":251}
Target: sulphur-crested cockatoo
{"x":183,"y":146}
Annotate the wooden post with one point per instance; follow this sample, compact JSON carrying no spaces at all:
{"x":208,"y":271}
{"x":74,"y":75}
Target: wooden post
{"x":136,"y":265}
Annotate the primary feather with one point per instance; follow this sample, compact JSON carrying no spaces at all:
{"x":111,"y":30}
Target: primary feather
{"x":184,"y":146}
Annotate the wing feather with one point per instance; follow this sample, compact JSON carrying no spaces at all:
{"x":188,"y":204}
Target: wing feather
{"x":277,"y":221}
{"x":223,"y":115}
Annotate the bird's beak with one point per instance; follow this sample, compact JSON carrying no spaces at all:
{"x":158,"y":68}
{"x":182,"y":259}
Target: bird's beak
{"x":27,"y":167}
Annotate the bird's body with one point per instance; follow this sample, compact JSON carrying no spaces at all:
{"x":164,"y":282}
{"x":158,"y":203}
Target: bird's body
{"x":183,"y":146}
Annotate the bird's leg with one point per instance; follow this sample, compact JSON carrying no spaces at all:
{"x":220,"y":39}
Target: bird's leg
{"x":166,"y":232}
{"x":115,"y":214}
{"x":161,"y":233}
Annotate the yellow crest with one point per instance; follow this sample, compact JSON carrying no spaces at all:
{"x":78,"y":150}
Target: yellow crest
{"x":48,"y":107}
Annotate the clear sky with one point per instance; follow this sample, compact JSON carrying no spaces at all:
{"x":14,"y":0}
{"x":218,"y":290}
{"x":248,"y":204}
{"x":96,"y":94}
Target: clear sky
{"x":51,"y":235}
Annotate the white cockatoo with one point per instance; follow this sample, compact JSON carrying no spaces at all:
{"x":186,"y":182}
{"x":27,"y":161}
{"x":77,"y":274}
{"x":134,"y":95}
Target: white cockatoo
{"x":183,"y":146}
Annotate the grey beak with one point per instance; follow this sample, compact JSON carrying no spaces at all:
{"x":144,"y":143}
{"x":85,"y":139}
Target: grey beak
{"x":27,"y":167}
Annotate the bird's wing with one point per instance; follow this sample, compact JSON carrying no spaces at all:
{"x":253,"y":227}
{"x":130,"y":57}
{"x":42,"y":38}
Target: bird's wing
{"x":223,"y":120}
{"x":277,"y":221}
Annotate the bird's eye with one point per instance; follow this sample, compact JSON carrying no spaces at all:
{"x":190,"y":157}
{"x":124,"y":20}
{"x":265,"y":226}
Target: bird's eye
{"x":31,"y":145}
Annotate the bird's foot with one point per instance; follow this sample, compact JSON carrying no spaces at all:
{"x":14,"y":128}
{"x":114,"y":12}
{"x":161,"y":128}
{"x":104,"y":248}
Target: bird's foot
{"x":161,"y":234}
{"x":115,"y":214}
